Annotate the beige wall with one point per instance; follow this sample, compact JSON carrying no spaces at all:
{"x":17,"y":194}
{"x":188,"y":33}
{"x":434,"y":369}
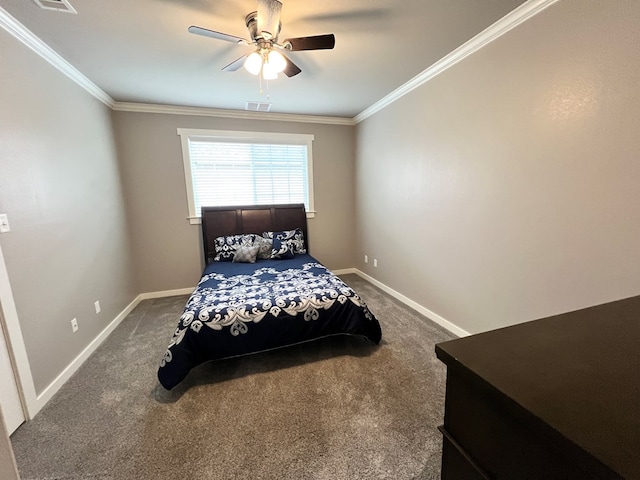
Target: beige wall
{"x":167,"y":249}
{"x":60,"y":186}
{"x":507,"y":188}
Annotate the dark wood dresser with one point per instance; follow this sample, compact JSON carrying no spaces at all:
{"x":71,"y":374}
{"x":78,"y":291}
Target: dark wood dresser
{"x":556,"y":398}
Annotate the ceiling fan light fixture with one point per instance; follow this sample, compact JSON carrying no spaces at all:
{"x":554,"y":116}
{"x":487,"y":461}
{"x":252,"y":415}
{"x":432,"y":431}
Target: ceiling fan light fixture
{"x":253,"y":63}
{"x":276,"y":61}
{"x":268,"y":72}
{"x":264,"y":27}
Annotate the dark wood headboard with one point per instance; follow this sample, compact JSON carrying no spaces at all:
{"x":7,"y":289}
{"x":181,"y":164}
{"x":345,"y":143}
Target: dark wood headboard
{"x":219,"y":221}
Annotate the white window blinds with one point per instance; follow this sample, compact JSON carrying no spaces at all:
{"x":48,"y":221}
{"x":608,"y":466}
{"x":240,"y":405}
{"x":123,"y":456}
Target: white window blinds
{"x":239,"y":168}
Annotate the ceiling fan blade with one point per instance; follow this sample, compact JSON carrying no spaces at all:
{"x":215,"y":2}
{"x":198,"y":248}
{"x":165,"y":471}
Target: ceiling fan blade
{"x":235,"y":65}
{"x":269,"y":18}
{"x":291,"y":69}
{"x":316,"y":42}
{"x":217,"y":35}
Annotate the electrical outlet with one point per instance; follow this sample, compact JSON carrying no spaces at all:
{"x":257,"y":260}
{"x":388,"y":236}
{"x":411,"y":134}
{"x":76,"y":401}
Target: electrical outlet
{"x":366,"y":259}
{"x":375,"y":262}
{"x":74,"y":325}
{"x":97,"y":305}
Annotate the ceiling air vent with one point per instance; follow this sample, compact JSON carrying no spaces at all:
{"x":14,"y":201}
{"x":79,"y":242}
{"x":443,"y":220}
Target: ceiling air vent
{"x":59,"y":5}
{"x":258,"y":106}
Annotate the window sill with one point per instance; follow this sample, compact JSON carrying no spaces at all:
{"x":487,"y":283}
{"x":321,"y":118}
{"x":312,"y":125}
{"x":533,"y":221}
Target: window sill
{"x":198,"y":220}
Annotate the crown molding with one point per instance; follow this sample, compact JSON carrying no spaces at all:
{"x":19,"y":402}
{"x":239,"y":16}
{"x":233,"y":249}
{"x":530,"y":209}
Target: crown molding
{"x":511,"y":20}
{"x":240,"y":114}
{"x":19,"y":31}
{"x":521,"y":14}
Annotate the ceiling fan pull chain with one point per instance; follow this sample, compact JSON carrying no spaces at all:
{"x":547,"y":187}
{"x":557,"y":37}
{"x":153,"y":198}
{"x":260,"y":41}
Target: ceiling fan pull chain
{"x":260,"y":77}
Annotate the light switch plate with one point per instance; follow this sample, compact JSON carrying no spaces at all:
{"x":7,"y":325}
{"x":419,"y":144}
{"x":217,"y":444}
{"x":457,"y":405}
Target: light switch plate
{"x":4,"y":223}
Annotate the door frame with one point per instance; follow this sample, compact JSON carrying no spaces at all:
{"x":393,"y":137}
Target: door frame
{"x":14,"y":409}
{"x":15,"y":344}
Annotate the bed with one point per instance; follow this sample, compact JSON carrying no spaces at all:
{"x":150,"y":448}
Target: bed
{"x":260,"y":290}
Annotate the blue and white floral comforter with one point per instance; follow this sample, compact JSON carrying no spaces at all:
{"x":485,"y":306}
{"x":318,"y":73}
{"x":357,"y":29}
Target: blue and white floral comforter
{"x":240,"y":308}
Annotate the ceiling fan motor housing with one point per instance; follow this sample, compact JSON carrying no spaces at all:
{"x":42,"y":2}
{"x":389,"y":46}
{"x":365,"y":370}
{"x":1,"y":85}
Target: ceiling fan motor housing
{"x":251,"y":20}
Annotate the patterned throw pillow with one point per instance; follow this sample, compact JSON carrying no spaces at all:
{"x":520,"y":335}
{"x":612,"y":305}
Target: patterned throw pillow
{"x":226,"y":246}
{"x":293,"y":237}
{"x":265,"y":245}
{"x":281,"y":249}
{"x":246,"y":254}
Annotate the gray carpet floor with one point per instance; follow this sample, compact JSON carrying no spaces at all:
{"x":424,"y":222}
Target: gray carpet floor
{"x":337,"y":408}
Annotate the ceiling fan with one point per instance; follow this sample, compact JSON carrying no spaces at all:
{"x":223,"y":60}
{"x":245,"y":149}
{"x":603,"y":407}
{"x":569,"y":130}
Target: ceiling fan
{"x":264,"y":27}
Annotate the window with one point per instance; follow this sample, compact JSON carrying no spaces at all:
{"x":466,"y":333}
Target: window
{"x":246,"y":168}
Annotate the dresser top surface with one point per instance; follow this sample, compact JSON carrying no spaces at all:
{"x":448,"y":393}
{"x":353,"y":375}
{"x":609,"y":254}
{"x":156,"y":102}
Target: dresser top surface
{"x":578,"y":372}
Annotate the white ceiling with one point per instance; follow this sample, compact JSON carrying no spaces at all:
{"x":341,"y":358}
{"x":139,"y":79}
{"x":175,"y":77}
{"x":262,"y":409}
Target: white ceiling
{"x":140,"y":51}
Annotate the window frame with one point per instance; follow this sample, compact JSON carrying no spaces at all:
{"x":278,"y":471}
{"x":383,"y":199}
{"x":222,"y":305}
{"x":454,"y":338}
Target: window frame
{"x":186,"y":134}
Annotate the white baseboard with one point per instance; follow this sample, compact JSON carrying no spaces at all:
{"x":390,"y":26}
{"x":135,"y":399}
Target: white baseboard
{"x":453,"y":328}
{"x":166,"y":293}
{"x":54,"y":386}
{"x":344,"y":271}
{"x":48,"y":393}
